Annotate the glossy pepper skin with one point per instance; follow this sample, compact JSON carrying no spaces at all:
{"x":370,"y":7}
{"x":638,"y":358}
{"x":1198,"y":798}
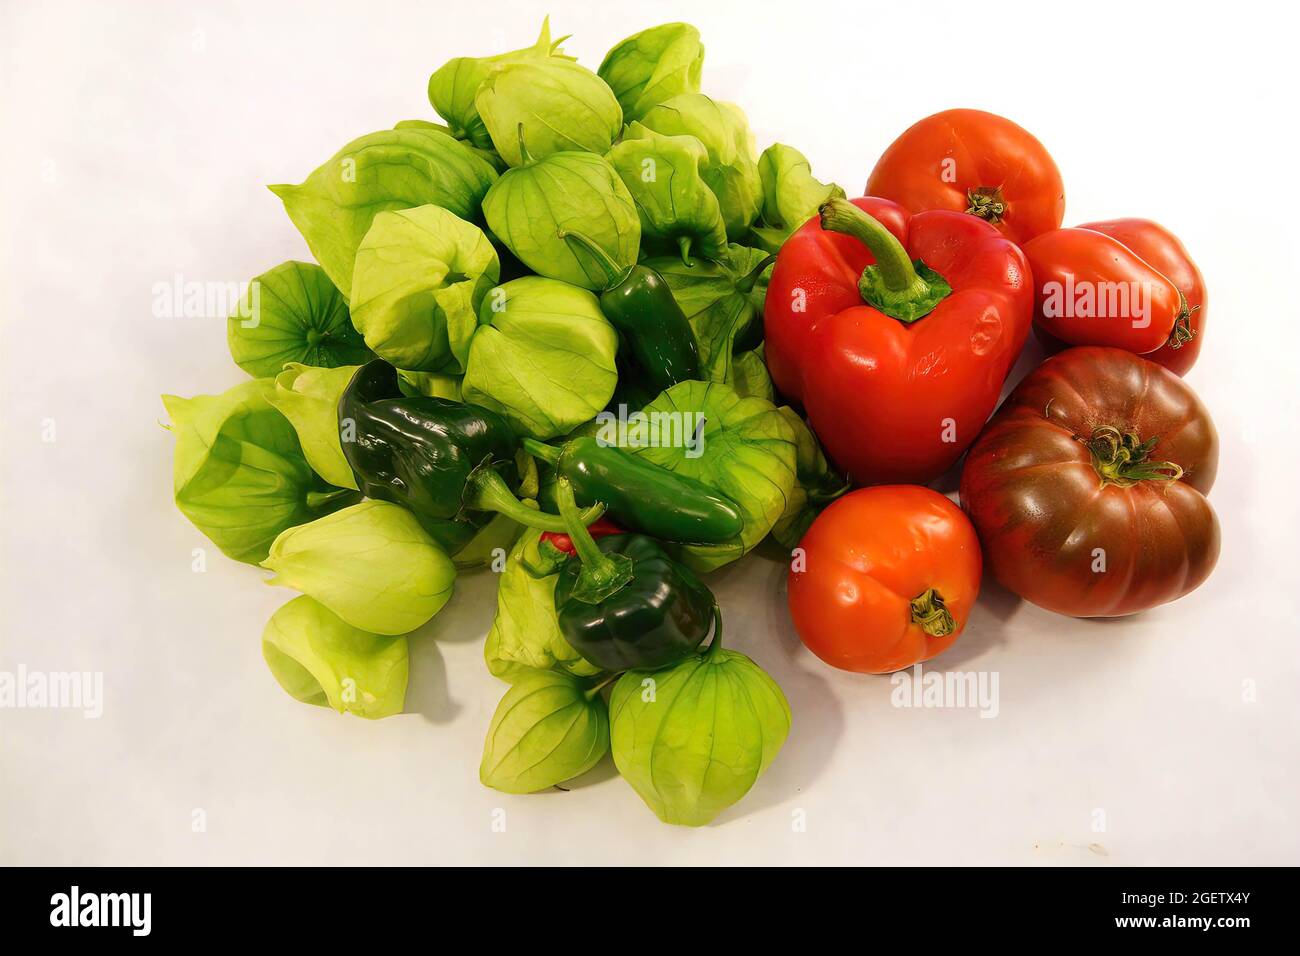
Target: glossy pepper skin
{"x":640,"y":495}
{"x":974,"y":162}
{"x":896,"y":400}
{"x":1162,"y":252}
{"x":658,"y":336}
{"x":662,"y":613}
{"x":451,"y":464}
{"x":624,"y":602}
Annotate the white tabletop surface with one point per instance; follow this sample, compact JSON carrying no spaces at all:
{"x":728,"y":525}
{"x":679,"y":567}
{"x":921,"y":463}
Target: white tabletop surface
{"x":136,"y":144}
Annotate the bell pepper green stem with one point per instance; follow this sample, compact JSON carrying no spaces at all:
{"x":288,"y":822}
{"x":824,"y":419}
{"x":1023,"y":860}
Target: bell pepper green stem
{"x":895,"y":285}
{"x":602,"y":574}
{"x":487,"y":491}
{"x":747,"y":283}
{"x":1123,"y":459}
{"x":931,"y":614}
{"x":547,"y":453}
{"x":896,"y":271}
{"x":614,"y":274}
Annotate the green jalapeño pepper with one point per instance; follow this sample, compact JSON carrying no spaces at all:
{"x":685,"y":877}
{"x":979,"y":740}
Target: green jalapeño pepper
{"x":451,"y":464}
{"x":624,"y":603}
{"x":640,"y":495}
{"x":638,"y":302}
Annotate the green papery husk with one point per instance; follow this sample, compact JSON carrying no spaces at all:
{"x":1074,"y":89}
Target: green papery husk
{"x":454,"y":86}
{"x":522,"y":212}
{"x":381,"y":172}
{"x":664,"y":175}
{"x":732,"y":167}
{"x":419,"y":278}
{"x":652,"y":66}
{"x":543,"y":356}
{"x":791,"y":195}
{"x":239,"y":473}
{"x":293,"y":313}
{"x":320,"y":659}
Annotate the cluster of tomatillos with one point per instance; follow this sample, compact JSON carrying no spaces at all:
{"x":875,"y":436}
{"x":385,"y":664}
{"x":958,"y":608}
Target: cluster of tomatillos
{"x":432,"y":395}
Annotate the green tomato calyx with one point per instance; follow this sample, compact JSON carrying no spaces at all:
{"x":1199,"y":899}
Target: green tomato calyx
{"x":987,"y":203}
{"x":931,"y":614}
{"x":1123,"y":459}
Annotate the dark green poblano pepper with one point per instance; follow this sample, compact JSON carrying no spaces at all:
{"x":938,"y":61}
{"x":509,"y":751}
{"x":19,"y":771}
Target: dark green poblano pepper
{"x":452,"y":464}
{"x":623,"y":602}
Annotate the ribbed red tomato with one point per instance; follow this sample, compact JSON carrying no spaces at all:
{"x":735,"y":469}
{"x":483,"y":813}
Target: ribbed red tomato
{"x":1088,"y":486}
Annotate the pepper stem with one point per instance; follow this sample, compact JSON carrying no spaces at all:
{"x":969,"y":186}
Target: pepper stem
{"x":547,"y":453}
{"x":1123,"y":459}
{"x":715,"y":644}
{"x":602,"y":574}
{"x":896,"y":285}
{"x":488,"y":491}
{"x":746,"y":283}
{"x":614,"y":274}
{"x":931,"y":614}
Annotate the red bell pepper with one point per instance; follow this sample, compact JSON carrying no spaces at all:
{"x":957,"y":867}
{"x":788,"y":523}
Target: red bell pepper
{"x":1125,"y":251}
{"x":896,"y":333}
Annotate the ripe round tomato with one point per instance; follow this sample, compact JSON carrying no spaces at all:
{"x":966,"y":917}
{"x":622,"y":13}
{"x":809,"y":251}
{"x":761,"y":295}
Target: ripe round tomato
{"x":976,"y":162}
{"x":886,"y":579}
{"x":1088,"y":486}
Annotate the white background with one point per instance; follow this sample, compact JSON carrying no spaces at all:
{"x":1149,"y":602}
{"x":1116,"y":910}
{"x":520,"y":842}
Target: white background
{"x":136,"y":141}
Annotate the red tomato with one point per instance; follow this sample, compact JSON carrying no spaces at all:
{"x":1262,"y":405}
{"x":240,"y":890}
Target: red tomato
{"x":1091,"y":289}
{"x":1088,"y":486}
{"x":1162,"y":251}
{"x":976,"y":162}
{"x":889,"y":576}
{"x":1161,"y":248}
